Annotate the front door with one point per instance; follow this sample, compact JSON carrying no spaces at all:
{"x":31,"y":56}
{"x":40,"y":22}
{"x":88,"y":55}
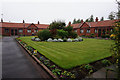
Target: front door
{"x":16,"y":32}
{"x":99,"y":32}
{"x":12,"y":32}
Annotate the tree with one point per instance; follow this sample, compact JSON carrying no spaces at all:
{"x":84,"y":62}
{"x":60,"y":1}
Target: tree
{"x":72,"y":34}
{"x":91,"y":19}
{"x":86,"y":20}
{"x":116,"y":46}
{"x":102,"y":19}
{"x":56,"y":25}
{"x":118,"y":13}
{"x":62,"y":33}
{"x":44,"y":35}
{"x":111,"y":16}
{"x":78,"y":21}
{"x":69,"y":28}
{"x":74,"y":21}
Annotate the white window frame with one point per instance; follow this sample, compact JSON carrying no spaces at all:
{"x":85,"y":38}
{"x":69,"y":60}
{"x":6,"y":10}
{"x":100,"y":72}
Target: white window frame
{"x":81,"y":30}
{"x":35,"y":30}
{"x":96,"y":31}
{"x":88,"y":30}
{"x":20,"y":30}
{"x":6,"y":30}
{"x":29,"y":30}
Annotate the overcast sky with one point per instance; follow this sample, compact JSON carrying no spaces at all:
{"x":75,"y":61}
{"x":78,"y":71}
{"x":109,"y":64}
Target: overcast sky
{"x":46,"y":11}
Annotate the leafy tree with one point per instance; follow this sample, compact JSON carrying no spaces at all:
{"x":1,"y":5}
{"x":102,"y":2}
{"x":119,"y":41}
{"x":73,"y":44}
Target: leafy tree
{"x":111,"y":16}
{"x":62,"y":33}
{"x":74,"y":21}
{"x":72,"y":34}
{"x":102,"y":19}
{"x":78,"y":21}
{"x":91,"y":19}
{"x":44,"y":35}
{"x":118,"y":13}
{"x":86,"y":20}
{"x":69,"y":28}
{"x":56,"y":25}
{"x":116,"y":47}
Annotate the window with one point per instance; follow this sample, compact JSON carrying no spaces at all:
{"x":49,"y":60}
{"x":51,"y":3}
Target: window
{"x":111,"y":30}
{"x":88,"y":30}
{"x":75,"y":30}
{"x":81,"y":31}
{"x":6,"y":30}
{"x":96,"y":31}
{"x":29,"y":30}
{"x":35,"y":30}
{"x":20,"y":30}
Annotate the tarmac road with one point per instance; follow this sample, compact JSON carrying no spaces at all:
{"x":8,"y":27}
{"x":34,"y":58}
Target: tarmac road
{"x":16,"y":63}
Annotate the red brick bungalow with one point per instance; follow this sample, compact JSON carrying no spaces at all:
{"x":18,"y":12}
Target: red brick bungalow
{"x":98,"y":28}
{"x":11,"y":29}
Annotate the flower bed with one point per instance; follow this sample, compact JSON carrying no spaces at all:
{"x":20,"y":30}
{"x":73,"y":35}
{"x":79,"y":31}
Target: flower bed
{"x":76,"y":72}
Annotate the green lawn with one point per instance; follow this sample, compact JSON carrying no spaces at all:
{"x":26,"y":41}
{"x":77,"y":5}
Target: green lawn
{"x":72,"y":54}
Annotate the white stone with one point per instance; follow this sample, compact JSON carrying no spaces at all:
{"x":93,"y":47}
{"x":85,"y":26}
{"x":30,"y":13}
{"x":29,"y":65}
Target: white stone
{"x":50,"y":40}
{"x":69,"y":40}
{"x":80,"y":38}
{"x":37,"y":39}
{"x":60,"y":40}
{"x":76,"y":40}
{"x":55,"y":40}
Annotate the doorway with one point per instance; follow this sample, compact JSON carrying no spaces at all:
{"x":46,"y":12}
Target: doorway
{"x":99,"y":32}
{"x":16,"y":32}
{"x":12,"y":32}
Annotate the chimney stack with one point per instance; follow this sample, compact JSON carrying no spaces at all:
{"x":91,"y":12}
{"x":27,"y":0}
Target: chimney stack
{"x":38,"y":22}
{"x":23,"y":21}
{"x":69,"y":23}
{"x":81,"y":20}
{"x":96,"y":19}
{"x":1,"y":20}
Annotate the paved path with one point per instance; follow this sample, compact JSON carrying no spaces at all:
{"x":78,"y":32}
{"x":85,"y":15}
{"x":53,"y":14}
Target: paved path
{"x":18,"y":64}
{"x":102,"y":73}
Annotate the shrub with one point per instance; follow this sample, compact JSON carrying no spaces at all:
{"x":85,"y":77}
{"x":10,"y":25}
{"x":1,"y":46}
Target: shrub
{"x":62,"y":33}
{"x":103,"y":36}
{"x":106,"y":62}
{"x":44,"y":35}
{"x":107,"y":36}
{"x":92,"y":35}
{"x":72,"y":34}
{"x":69,"y":28}
{"x":88,"y":67}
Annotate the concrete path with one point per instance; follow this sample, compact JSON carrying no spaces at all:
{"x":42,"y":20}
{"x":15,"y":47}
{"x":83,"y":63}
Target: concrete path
{"x":102,"y":73}
{"x":17,"y":64}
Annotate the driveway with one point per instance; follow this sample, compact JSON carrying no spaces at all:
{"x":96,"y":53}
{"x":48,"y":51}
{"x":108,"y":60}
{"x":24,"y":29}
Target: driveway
{"x":16,"y":63}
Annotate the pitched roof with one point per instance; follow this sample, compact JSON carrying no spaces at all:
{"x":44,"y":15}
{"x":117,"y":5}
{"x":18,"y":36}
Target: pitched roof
{"x":75,"y":25}
{"x":102,"y":23}
{"x":21,"y":25}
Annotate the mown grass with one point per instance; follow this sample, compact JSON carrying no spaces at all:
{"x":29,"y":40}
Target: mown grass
{"x":72,"y":54}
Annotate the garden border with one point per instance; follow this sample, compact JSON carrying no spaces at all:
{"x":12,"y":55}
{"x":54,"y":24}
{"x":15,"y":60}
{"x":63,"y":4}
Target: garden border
{"x":39,"y":62}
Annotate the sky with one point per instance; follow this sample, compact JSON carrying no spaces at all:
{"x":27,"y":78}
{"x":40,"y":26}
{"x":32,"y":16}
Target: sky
{"x":46,"y":11}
